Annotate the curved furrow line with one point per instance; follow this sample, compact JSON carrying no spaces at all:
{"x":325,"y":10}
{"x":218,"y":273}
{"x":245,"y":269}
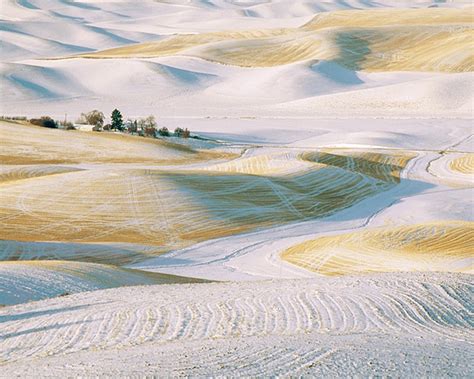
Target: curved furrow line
{"x":305,"y":311}
{"x":224,"y":325}
{"x":201,"y":321}
{"x":75,"y":336}
{"x":407,"y":315}
{"x":148,"y":325}
{"x":408,"y":312}
{"x":56,"y":342}
{"x":236,"y":316}
{"x":122,"y":318}
{"x":113,"y":336}
{"x":445,"y":305}
{"x":220,"y":323}
{"x":249,"y":323}
{"x":282,"y":322}
{"x":300,"y":312}
{"x":160,"y":323}
{"x":378,"y":315}
{"x":335,"y":319}
{"x":361,"y":321}
{"x":229,"y":317}
{"x":463,"y":301}
{"x":339,"y":305}
{"x":323,"y":314}
{"x":187,"y":323}
{"x":116,"y":335}
{"x":430,"y":318}
{"x":204,"y":319}
{"x":268,"y":315}
{"x":349,"y":319}
{"x":176,"y":322}
{"x":293,"y":317}
{"x":211,"y":319}
{"x":134,"y":332}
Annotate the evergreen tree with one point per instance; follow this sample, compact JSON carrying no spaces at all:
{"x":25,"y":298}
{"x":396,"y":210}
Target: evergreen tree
{"x":117,"y":120}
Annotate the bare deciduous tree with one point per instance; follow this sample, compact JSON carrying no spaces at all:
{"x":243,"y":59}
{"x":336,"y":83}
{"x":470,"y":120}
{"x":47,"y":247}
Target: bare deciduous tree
{"x":147,"y":125}
{"x":94,"y":117}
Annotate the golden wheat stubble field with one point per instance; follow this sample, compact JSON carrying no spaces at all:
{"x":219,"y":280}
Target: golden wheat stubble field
{"x":463,"y":164}
{"x":105,"y":188}
{"x":430,"y":40}
{"x":437,"y":246}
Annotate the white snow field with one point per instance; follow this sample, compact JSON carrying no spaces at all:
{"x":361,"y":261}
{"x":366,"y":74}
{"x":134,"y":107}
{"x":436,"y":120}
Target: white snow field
{"x":229,"y":58}
{"x":388,"y":324}
{"x":323,"y":225}
{"x":22,"y":281}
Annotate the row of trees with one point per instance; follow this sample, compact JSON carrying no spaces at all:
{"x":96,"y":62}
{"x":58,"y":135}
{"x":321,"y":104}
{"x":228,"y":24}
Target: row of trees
{"x":144,"y":126}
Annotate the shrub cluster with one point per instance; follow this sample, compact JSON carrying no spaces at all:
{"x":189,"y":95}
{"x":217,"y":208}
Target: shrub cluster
{"x":14,"y":118}
{"x":44,"y":121}
{"x":164,"y":132}
{"x":182,"y":133}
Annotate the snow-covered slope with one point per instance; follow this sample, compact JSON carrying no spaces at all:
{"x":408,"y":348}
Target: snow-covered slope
{"x":385,"y":324}
{"x":312,"y":65}
{"x":23,"y":281}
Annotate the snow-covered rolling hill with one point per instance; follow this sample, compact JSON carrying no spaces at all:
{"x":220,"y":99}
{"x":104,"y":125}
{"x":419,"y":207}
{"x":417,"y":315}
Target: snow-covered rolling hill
{"x":414,"y":325}
{"x":226,"y":58}
{"x":329,"y":198}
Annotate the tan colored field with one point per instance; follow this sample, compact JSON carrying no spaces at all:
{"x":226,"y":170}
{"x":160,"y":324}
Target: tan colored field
{"x":289,"y":48}
{"x":28,"y":144}
{"x":443,"y":246}
{"x":271,"y":164}
{"x":384,"y":17}
{"x":171,"y":210}
{"x":369,"y":40}
{"x":168,"y":208}
{"x":179,"y":43}
{"x":385,"y":166}
{"x":10,"y":173}
{"x":464,"y":164}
